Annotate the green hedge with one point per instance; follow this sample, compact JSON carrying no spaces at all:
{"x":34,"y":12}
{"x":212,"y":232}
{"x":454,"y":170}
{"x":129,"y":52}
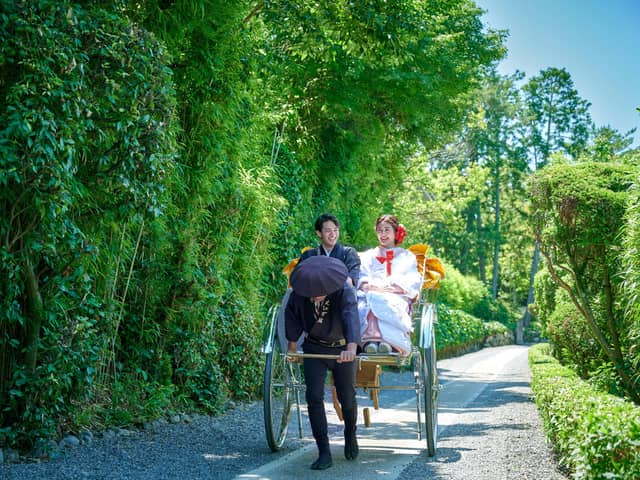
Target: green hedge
{"x":457,"y":328}
{"x":597,"y":435}
{"x":458,"y":331}
{"x":467,"y":293}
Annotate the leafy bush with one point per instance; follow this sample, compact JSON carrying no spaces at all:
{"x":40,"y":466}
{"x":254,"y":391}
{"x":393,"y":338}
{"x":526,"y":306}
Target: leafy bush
{"x":146,"y":222}
{"x":596,"y":434}
{"x":567,"y":330}
{"x":494,"y":310}
{"x":88,"y":105}
{"x":456,"y":328}
{"x":545,"y":291}
{"x":572,"y":344}
{"x":458,"y":331}
{"x":462,"y":292}
{"x":578,"y":214}
{"x":467,"y":293}
{"x":533,"y":332}
{"x":495,"y":328}
{"x":630,"y":263}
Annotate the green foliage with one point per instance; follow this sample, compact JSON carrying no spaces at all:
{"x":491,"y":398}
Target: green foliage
{"x":495,"y":310}
{"x":133,"y":400}
{"x":197,"y":370}
{"x":496,"y":328}
{"x":438,"y":205}
{"x":571,"y":339}
{"x":564,"y":326}
{"x":545,"y":295}
{"x":467,"y":293}
{"x":608,"y":145}
{"x":595,"y":434}
{"x":88,"y":103}
{"x":582,"y":204}
{"x":578,"y":213}
{"x":449,"y":200}
{"x":533,"y":333}
{"x":463,"y":292}
{"x":516,"y":249}
{"x":458,"y":329}
{"x":373,"y":64}
{"x":630,"y":272}
{"x":492,"y":136}
{"x":557,"y":118}
{"x":369,"y":81}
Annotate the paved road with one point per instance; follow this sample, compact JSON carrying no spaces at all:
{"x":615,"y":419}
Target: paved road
{"x":476,"y":436}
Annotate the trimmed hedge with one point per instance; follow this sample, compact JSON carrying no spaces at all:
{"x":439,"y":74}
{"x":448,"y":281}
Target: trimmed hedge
{"x":597,"y":435}
{"x":458,"y":332}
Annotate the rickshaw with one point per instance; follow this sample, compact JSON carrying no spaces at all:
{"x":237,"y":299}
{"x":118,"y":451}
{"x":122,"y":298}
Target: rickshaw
{"x":284,"y":382}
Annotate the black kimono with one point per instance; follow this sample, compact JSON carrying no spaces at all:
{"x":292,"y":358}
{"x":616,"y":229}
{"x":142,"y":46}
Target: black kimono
{"x":348,"y":255}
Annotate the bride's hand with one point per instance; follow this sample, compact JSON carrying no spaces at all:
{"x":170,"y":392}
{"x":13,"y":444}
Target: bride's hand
{"x":393,"y":289}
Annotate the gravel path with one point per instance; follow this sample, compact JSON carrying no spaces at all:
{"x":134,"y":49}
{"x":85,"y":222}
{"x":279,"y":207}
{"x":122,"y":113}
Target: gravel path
{"x":498,"y":437}
{"x":205,"y":448}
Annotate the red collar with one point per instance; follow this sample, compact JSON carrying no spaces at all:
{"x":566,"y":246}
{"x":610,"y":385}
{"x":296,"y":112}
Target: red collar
{"x":388,"y":258}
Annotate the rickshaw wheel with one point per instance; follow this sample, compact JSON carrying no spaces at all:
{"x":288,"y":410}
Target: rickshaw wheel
{"x":278,"y":396}
{"x":431,"y":392}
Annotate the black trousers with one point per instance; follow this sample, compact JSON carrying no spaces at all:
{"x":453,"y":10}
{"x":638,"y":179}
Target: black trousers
{"x":315,"y":374}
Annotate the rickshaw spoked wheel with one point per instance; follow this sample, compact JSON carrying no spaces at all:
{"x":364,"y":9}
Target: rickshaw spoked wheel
{"x":278,"y":396}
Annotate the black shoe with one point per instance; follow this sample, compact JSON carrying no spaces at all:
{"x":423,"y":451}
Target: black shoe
{"x":322,"y":463}
{"x":351,"y":449}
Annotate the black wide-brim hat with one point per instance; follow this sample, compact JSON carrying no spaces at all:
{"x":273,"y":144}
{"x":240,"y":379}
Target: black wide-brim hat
{"x":318,"y":276}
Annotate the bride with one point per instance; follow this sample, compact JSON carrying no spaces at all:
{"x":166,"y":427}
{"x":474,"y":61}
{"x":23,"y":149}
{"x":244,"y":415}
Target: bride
{"x":389,"y":282}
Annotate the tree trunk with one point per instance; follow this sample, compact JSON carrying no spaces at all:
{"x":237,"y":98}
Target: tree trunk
{"x":466,"y":264}
{"x":526,"y":318}
{"x":496,"y":237}
{"x":35,"y":315}
{"x":482,"y":260}
{"x":579,"y":299}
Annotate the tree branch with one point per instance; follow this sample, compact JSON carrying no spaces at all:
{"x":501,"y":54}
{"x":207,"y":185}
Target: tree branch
{"x":253,"y":13}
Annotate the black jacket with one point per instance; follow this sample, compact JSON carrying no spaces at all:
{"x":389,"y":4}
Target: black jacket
{"x":341,"y":320}
{"x":348,"y":255}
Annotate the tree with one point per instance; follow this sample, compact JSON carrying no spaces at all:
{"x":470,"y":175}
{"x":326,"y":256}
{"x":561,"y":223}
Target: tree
{"x":608,"y":144}
{"x":496,"y":147}
{"x":372,"y":81}
{"x":556,"y":120}
{"x":436,"y":204}
{"x":489,"y":143}
{"x":145,"y":191}
{"x":577,"y":214}
{"x":630,"y":273}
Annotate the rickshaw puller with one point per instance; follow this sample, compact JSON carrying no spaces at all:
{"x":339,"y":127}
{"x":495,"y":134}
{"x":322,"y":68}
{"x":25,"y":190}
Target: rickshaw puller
{"x":324,"y":307}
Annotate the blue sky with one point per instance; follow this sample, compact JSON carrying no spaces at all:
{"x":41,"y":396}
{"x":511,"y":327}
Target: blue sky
{"x":596,"y":41}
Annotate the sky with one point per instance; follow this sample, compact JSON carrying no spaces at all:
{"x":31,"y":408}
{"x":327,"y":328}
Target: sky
{"x":596,"y":41}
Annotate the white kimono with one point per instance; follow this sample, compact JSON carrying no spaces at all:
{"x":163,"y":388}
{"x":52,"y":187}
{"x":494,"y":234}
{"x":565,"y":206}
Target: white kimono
{"x":392,"y":310}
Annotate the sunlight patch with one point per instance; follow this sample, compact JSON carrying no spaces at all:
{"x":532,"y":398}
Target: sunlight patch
{"x":212,"y":456}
